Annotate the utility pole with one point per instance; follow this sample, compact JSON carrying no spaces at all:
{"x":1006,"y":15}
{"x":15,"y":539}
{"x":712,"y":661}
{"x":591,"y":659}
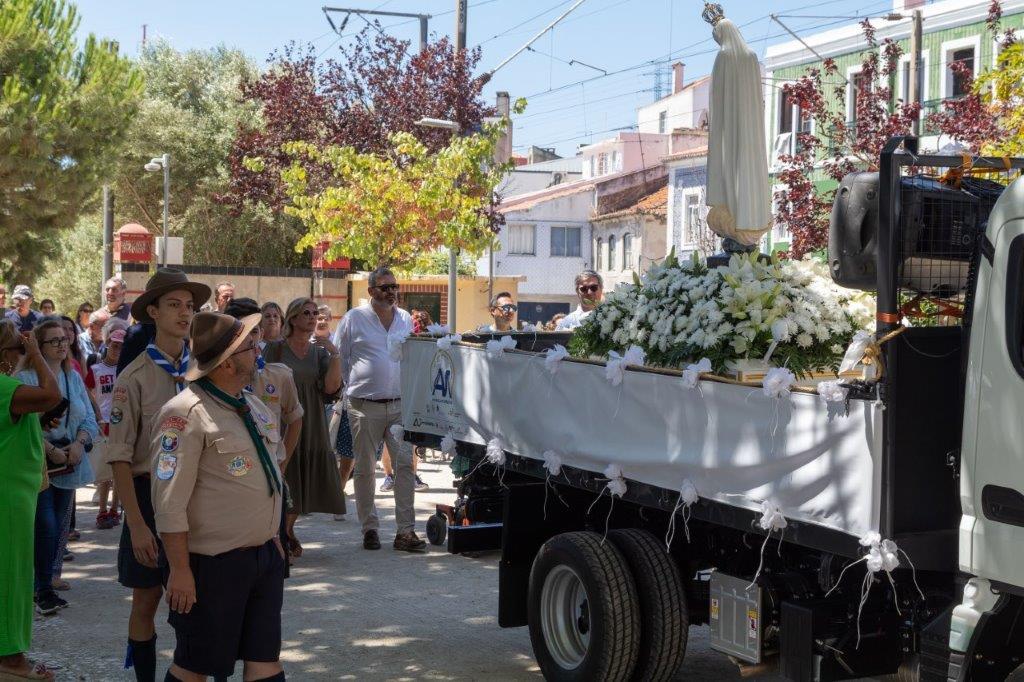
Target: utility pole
{"x":108,"y":233}
{"x":453,"y":253}
{"x":913,"y":87}
{"x":502,"y":153}
{"x":143,"y":36}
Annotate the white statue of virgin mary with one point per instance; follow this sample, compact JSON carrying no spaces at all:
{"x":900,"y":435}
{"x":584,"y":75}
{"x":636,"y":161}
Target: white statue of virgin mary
{"x":737,"y":154}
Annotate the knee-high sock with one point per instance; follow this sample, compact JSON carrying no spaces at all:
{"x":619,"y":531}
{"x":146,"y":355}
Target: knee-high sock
{"x":142,"y":656}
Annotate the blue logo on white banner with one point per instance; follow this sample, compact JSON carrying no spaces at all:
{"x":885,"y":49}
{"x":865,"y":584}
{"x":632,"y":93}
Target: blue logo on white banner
{"x":441,"y":371}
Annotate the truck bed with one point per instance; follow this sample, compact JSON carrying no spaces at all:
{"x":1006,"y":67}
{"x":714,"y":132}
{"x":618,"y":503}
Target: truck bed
{"x":820,"y":464}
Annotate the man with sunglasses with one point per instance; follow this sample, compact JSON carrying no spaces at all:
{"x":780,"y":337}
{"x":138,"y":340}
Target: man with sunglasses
{"x":374,"y":390}
{"x":590,"y":290}
{"x":503,"y":310}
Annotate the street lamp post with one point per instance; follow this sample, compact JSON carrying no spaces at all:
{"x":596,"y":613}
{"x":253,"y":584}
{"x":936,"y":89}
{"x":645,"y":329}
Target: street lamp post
{"x":155,"y":164}
{"x":453,"y":252}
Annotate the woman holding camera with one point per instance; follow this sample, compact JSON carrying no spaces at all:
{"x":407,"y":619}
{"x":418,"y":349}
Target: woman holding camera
{"x":66,"y":446}
{"x":21,"y":476}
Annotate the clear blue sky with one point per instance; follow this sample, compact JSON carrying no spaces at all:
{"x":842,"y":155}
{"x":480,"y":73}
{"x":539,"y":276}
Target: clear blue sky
{"x":607,"y":34}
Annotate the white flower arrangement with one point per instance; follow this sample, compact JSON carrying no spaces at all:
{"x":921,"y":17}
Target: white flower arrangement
{"x":681,"y":312}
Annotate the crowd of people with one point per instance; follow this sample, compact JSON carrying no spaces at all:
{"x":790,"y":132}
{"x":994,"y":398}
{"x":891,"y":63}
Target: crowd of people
{"x":184,"y":405}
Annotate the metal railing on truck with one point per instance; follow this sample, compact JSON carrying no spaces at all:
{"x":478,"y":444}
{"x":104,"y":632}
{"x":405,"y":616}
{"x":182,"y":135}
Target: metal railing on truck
{"x":932,"y":216}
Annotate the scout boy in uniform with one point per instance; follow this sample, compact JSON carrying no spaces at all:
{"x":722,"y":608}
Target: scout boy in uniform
{"x":150,"y":380}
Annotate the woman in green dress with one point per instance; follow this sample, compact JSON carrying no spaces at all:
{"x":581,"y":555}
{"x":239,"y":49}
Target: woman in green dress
{"x":21,"y":476}
{"x":312,"y":473}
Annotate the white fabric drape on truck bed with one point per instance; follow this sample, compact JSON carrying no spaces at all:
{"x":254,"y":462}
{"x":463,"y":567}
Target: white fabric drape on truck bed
{"x":735,"y":444}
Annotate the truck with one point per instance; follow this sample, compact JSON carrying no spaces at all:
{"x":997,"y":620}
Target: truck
{"x":883,"y":536}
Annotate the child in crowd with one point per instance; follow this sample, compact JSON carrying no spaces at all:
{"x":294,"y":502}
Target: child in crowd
{"x":101,"y":382}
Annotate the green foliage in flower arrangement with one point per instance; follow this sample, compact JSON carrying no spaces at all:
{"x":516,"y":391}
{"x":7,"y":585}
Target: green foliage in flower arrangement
{"x":682,"y":312}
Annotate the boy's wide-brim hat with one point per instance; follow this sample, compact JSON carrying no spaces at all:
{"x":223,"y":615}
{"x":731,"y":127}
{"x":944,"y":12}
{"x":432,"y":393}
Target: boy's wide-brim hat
{"x":215,"y":337}
{"x":163,"y":282}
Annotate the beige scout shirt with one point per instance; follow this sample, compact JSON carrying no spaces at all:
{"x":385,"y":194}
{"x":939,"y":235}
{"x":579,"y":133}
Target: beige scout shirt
{"x":208,"y":480}
{"x":275,"y":386}
{"x":139,"y":393}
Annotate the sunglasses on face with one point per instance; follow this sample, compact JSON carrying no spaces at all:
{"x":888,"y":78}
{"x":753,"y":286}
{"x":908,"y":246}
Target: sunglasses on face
{"x":387,"y":288}
{"x":589,"y":289}
{"x":87,"y":311}
{"x":508,"y":308}
{"x":308,"y":313}
{"x":20,"y":349}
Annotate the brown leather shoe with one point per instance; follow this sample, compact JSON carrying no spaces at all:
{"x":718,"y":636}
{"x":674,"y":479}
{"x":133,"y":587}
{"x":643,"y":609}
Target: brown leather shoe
{"x":409,"y":542}
{"x":371,"y":540}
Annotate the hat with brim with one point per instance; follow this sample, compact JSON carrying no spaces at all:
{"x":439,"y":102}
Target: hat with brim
{"x":163,"y":282}
{"x":215,"y":337}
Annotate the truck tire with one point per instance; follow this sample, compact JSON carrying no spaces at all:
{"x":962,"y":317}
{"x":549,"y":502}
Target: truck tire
{"x":664,"y":618}
{"x":583,"y":610}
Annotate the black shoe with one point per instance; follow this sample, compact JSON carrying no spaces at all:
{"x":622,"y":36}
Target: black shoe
{"x":47,"y":602}
{"x":62,"y":602}
{"x":371,"y":540}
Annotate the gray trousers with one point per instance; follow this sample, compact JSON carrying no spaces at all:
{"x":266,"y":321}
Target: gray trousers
{"x":371,"y":423}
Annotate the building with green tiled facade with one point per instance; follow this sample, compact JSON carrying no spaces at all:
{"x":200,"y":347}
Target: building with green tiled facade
{"x":953,"y":31}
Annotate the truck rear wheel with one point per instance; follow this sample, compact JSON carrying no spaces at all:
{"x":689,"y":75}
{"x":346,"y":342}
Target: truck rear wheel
{"x":583,"y":610}
{"x":664,"y":619}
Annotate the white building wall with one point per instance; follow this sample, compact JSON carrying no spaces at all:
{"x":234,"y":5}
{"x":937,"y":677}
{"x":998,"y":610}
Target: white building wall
{"x":687,"y":108}
{"x":548,"y":278}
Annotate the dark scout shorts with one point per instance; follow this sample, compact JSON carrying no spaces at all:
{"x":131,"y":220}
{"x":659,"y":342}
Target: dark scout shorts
{"x":237,"y":614}
{"x":130,"y":572}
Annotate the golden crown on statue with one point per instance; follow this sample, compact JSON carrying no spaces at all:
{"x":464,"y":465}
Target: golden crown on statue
{"x":713,"y":13}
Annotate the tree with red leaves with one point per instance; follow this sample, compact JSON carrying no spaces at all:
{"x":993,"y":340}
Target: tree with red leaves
{"x":981,"y":122}
{"x":841,"y":146}
{"x":378,"y":88}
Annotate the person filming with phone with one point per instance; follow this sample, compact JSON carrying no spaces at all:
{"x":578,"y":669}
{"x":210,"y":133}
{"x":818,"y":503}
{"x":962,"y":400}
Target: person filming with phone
{"x":21,"y":470}
{"x":66,"y":446}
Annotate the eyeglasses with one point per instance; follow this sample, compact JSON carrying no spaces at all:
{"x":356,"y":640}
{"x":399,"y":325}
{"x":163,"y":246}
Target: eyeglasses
{"x":509,"y":307}
{"x":56,"y":343}
{"x":589,"y":289}
{"x":387,"y":287}
{"x":87,"y":311}
{"x":308,"y":313}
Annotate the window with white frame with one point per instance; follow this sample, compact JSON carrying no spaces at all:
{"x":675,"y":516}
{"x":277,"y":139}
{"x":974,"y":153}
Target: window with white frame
{"x":792,"y":120}
{"x":598,"y":249}
{"x":522,"y":240}
{"x":611,"y":253}
{"x":662,"y":121}
{"x":565,"y":241}
{"x":627,"y":251}
{"x":694,"y":222}
{"x":922,"y":79}
{"x":590,"y":166}
{"x":860,"y":85}
{"x":961,"y":67}
{"x":958,"y":66}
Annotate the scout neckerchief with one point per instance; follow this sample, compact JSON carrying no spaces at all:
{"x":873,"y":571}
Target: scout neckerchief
{"x":177,"y":373}
{"x":260,"y":365}
{"x":245,"y":412}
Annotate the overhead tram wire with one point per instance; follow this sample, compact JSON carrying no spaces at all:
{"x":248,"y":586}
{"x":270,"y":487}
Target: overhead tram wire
{"x":524,"y":22}
{"x":678,"y":54}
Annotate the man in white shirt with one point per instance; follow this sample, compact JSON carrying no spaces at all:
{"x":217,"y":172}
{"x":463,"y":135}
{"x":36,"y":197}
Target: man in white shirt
{"x":374,"y":394}
{"x":503,"y":310}
{"x":590,"y":290}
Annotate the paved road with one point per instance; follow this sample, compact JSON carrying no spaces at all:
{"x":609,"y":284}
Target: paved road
{"x":348,"y":613}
